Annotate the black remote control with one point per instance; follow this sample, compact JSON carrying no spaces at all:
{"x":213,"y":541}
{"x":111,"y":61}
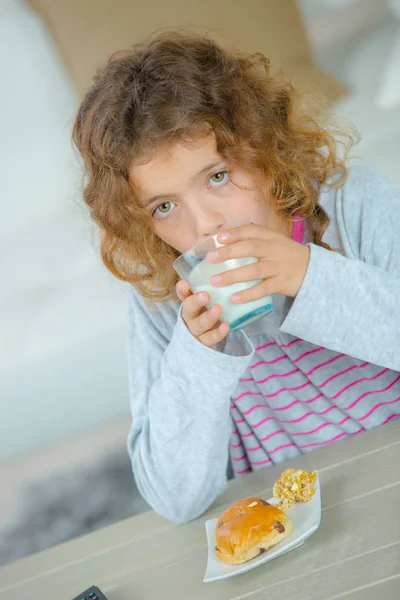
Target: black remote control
{"x":92,"y":593}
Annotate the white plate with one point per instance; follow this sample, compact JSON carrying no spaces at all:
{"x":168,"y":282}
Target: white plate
{"x":305,"y":517}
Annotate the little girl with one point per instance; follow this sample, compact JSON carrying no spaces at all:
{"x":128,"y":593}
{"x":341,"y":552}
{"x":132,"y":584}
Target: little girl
{"x":181,"y":139}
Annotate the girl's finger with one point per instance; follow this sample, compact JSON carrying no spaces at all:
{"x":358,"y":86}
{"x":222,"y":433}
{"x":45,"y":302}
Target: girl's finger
{"x":193,"y":305}
{"x":265,"y":288}
{"x":244,"y":249}
{"x":259,"y":270}
{"x":216,"y":335}
{"x":182,"y":290}
{"x":206,"y":321}
{"x":246,"y":232}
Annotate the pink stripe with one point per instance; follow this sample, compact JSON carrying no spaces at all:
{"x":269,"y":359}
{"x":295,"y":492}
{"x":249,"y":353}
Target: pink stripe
{"x":261,"y":462}
{"x":263,"y":421}
{"x":330,"y":408}
{"x":274,"y":376}
{"x":395,"y":416}
{"x":374,"y":408}
{"x":282,"y":447}
{"x":287,"y":421}
{"x":298,"y":231}
{"x":246,"y":394}
{"x":312,"y":445}
{"x":324,"y":412}
{"x":255,"y":406}
{"x":320,"y":385}
{"x":287,"y":405}
{"x":244,"y":471}
{"x":342,"y":422}
{"x":259,"y":447}
{"x":313,"y":399}
{"x":294,"y":401}
{"x":366,"y":393}
{"x":236,"y":445}
{"x":323,"y":364}
{"x":239,"y":421}
{"x":332,"y":377}
{"x":291,"y":343}
{"x":237,"y":458}
{"x":295,"y":341}
{"x":267,"y":362}
{"x":269,"y":436}
{"x":254,"y":448}
{"x":308,"y":354}
{"x":290,"y":445}
{"x":337,"y":437}
{"x":291,"y":389}
{"x":264,"y":439}
{"x":248,"y":434}
{"x":265,"y":346}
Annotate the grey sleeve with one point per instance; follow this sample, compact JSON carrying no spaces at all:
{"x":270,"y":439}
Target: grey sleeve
{"x":350,"y":304}
{"x":180,"y":397}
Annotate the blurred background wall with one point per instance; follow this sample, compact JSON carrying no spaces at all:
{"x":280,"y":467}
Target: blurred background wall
{"x":64,"y":411}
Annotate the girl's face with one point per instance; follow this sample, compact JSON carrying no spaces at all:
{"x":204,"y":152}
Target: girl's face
{"x":189,"y":192}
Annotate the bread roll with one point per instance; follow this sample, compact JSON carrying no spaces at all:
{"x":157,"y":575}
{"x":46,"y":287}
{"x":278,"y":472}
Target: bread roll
{"x":248,"y":528}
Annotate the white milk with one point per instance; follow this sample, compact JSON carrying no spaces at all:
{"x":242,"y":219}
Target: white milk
{"x":235,"y":315}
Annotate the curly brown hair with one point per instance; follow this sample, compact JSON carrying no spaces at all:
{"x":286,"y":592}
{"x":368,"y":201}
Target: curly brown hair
{"x":173,"y":87}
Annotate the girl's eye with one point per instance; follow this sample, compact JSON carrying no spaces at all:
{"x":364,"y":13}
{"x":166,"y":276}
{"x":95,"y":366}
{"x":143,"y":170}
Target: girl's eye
{"x":163,"y":210}
{"x":219,"y":178}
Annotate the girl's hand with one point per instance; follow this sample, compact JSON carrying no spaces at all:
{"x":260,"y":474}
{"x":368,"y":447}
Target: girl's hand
{"x":202,"y":323}
{"x":282,"y":262}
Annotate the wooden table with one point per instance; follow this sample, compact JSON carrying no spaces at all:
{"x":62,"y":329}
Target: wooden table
{"x":355,"y":554}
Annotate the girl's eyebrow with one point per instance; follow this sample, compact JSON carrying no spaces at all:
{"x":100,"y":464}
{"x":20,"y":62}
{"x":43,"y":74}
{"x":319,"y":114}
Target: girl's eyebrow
{"x":160,"y":197}
{"x":209,"y":167}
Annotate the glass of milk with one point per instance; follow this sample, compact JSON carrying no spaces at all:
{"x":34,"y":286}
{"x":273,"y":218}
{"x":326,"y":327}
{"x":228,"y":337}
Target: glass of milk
{"x":197,"y":271}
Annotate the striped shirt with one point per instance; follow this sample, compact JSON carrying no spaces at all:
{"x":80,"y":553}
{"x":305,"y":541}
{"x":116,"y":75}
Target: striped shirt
{"x":297,"y":396}
{"x":317,"y":369}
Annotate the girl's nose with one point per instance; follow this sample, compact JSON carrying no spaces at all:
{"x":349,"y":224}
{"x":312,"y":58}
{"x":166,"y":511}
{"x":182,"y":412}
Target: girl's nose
{"x":213,"y":230}
{"x":208,"y":224}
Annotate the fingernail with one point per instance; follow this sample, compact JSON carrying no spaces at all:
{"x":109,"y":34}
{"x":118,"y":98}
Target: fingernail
{"x":202,"y":297}
{"x":215,"y":279}
{"x":224,"y":237}
{"x":235,"y":298}
{"x":212,"y":256}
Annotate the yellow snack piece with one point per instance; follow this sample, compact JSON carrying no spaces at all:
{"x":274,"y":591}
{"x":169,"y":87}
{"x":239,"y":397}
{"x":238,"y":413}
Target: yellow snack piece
{"x":294,"y":485}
